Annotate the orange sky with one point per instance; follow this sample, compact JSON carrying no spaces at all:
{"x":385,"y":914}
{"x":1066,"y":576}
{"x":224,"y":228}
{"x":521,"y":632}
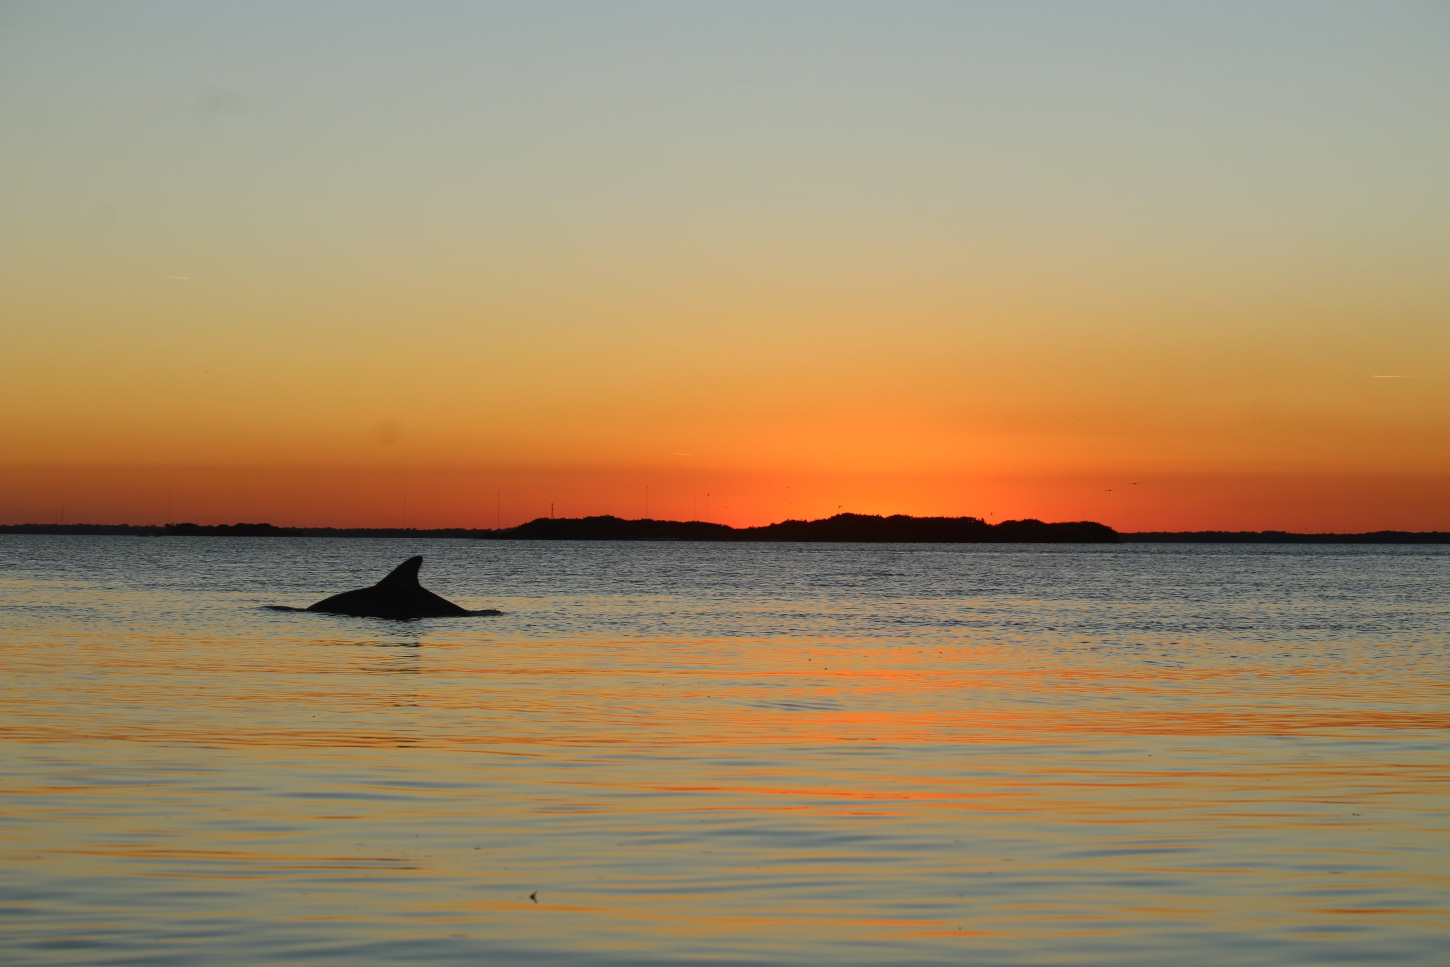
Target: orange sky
{"x":930,"y":259}
{"x":480,"y":497}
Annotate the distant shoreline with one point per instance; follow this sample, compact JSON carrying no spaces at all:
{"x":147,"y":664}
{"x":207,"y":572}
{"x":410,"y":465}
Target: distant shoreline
{"x":842,"y":528}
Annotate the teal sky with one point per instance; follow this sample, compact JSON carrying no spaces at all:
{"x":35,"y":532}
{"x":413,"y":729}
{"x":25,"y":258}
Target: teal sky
{"x":1197,"y":135}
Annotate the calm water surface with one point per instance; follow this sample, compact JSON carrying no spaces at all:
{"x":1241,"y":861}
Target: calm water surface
{"x":755,"y":754}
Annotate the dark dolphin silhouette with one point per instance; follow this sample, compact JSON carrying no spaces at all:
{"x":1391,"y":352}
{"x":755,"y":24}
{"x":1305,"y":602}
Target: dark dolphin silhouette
{"x":398,"y":596}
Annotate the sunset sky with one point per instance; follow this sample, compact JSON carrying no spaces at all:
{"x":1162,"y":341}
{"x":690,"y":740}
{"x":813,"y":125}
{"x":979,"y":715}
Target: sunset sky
{"x":1163,"y":265}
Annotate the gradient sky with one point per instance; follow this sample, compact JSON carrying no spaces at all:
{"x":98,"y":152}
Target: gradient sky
{"x":313,"y":262}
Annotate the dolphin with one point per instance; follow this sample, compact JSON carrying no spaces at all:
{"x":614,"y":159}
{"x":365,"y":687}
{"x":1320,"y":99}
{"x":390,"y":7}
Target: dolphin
{"x":398,"y":596}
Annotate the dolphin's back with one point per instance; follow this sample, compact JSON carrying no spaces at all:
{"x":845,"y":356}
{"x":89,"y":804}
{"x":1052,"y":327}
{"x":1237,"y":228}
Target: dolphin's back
{"x":398,"y":596}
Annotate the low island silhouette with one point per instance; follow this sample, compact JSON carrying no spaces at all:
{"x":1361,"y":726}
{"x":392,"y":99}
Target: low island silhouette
{"x":842,"y":528}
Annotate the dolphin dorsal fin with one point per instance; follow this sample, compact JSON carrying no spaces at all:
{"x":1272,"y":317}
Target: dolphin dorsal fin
{"x":404,"y":575}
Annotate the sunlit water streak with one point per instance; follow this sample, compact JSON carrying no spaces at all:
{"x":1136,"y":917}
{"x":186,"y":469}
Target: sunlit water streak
{"x":724,"y":753}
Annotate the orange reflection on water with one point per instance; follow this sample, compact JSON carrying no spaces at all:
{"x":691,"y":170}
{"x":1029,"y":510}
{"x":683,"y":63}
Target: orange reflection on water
{"x":948,"y":796}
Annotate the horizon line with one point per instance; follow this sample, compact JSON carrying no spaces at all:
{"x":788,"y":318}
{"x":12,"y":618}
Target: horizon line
{"x":239,"y":528}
